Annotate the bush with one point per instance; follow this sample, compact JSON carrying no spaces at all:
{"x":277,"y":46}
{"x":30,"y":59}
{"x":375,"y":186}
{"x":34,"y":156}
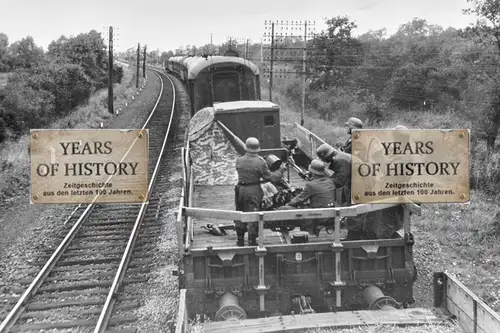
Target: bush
{"x":29,"y":107}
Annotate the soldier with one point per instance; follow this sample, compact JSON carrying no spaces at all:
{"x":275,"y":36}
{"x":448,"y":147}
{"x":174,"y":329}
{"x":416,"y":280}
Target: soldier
{"x":340,"y":164}
{"x":385,"y":223}
{"x":352,"y":123}
{"x":320,"y":190}
{"x":248,"y":192}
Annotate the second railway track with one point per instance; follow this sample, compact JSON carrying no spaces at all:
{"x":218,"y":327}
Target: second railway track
{"x":76,"y":287}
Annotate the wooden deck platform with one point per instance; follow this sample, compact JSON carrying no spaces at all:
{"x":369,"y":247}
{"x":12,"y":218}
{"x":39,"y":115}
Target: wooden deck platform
{"x":222,"y":197}
{"x":345,"y":319}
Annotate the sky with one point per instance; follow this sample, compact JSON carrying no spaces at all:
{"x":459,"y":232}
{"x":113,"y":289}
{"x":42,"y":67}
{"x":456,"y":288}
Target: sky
{"x":166,"y":25}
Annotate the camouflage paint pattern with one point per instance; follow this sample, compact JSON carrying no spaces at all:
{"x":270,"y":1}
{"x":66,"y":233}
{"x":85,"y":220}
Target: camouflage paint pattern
{"x":213,"y":156}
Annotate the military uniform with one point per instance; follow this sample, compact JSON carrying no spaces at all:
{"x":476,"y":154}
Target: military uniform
{"x":384,"y":223}
{"x":347,"y":147}
{"x":355,"y":123}
{"x":320,"y":192}
{"x":341,"y":167}
{"x":248,"y":192}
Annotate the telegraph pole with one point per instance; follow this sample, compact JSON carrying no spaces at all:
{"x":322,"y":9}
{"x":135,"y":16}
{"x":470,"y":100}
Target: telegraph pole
{"x":304,"y":59}
{"x":271,"y":66}
{"x":138,"y":64}
{"x":110,"y":71}
{"x":292,"y":25}
{"x":144,"y":63}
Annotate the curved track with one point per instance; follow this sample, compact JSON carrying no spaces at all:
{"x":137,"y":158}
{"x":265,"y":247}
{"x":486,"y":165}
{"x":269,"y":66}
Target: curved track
{"x":77,"y":287}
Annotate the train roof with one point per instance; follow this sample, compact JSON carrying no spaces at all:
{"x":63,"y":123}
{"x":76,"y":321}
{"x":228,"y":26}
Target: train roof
{"x":196,"y":64}
{"x":242,"y":106}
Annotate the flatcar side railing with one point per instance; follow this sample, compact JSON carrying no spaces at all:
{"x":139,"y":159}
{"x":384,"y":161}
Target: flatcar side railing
{"x":182,"y":314}
{"x":471,"y":312}
{"x":179,"y":224}
{"x":295,"y":214}
{"x":189,"y":220}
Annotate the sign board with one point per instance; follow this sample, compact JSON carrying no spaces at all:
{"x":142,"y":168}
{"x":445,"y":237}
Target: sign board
{"x":402,"y":166}
{"x":89,"y":166}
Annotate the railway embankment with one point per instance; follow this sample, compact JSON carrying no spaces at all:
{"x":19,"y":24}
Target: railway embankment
{"x":27,"y":228}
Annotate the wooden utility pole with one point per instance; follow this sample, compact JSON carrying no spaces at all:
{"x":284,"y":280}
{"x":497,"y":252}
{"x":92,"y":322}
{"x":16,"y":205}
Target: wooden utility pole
{"x":304,"y":59}
{"x":138,"y":64}
{"x":292,"y":25}
{"x":110,"y":71}
{"x":144,"y":63}
{"x":271,"y":66}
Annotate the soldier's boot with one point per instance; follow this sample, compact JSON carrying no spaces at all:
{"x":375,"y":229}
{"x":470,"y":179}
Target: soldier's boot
{"x":252,"y":240}
{"x":241,"y":239}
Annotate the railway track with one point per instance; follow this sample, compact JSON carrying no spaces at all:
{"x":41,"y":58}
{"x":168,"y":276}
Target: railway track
{"x":77,"y":286}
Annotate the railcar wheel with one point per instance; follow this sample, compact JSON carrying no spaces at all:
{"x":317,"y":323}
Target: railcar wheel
{"x":229,"y":309}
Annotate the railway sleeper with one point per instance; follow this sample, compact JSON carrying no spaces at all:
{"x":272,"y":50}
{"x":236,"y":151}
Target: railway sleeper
{"x":118,"y":227}
{"x":87,"y":252}
{"x":69,"y":324}
{"x":123,"y":330}
{"x":124,"y":238}
{"x":146,"y":221}
{"x":88,"y":285}
{"x":81,"y":286}
{"x":88,"y":262}
{"x":142,"y":233}
{"x":96,"y":261}
{"x":41,"y":314}
{"x":75,"y":294}
{"x":86,"y":244}
{"x":73,"y":277}
{"x":39,"y":306}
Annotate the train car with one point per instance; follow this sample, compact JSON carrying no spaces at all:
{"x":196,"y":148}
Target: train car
{"x":299,"y":266}
{"x":214,"y":79}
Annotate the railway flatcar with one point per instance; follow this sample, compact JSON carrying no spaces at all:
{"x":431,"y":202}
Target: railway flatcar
{"x":291,"y":271}
{"x":214,"y":79}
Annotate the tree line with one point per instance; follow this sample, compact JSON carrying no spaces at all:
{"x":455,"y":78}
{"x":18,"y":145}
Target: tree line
{"x":420,"y":68}
{"x":45,"y":85}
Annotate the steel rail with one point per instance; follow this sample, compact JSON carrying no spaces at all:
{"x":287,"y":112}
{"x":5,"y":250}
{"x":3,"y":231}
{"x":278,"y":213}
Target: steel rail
{"x":105,"y":315}
{"x":20,"y":306}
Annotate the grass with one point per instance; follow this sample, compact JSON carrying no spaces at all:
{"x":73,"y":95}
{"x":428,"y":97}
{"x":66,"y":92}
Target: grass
{"x":467,"y":234}
{"x":14,"y":157}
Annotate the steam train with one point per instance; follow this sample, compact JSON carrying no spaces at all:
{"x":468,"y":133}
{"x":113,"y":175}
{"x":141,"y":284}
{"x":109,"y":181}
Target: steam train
{"x":290,"y":271}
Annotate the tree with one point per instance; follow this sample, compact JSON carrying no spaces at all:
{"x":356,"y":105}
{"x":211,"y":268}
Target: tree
{"x":4,"y":43}
{"x":87,"y":50}
{"x":486,"y":32}
{"x":334,"y":53}
{"x":25,"y":53}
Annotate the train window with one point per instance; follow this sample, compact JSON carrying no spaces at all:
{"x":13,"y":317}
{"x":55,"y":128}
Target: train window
{"x":269,"y":120}
{"x":226,"y":86}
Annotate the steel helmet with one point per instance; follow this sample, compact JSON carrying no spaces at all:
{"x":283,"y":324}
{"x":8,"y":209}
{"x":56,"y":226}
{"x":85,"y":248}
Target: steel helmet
{"x":317,"y":167}
{"x":325,"y":151}
{"x":252,"y":145}
{"x":354,"y":122}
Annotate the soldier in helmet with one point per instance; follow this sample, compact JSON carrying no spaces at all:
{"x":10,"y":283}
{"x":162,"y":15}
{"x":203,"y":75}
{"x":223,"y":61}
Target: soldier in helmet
{"x":320,"y":190}
{"x":251,"y":169}
{"x":385,"y":223}
{"x":340,"y":164}
{"x":352,"y":123}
